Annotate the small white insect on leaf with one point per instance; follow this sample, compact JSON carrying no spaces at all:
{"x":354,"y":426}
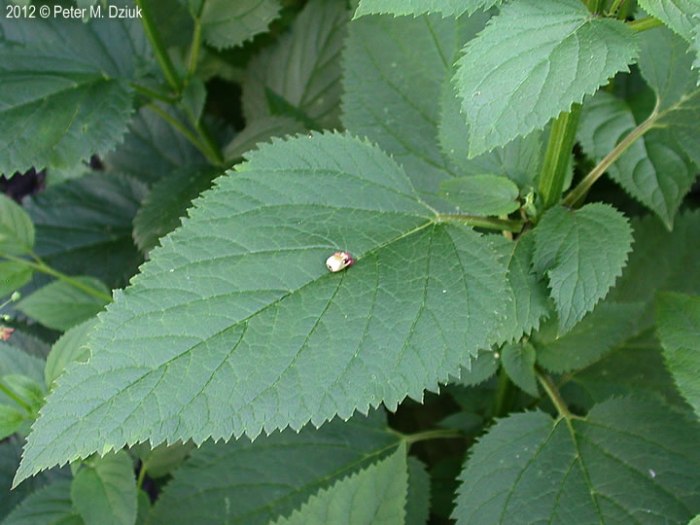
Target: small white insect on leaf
{"x":339,"y":261}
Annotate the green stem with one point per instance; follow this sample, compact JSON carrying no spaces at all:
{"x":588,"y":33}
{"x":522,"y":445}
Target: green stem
{"x":503,"y":391}
{"x":594,"y":6}
{"x":448,"y":433}
{"x":152,"y":94}
{"x":161,"y":53}
{"x":644,"y":24}
{"x":615,"y":7}
{"x":142,"y":476}
{"x":42,"y":267}
{"x":195,"y":47}
{"x":576,"y":196}
{"x":558,"y":156}
{"x":554,"y":395}
{"x":488,"y":223}
{"x":11,"y":394}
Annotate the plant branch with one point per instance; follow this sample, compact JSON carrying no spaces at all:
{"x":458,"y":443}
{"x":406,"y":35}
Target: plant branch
{"x":195,"y":46}
{"x":488,"y":223}
{"x":158,"y":46}
{"x":11,"y":394}
{"x":553,"y":393}
{"x":556,"y":161}
{"x":447,"y":433}
{"x":579,"y":192}
{"x":644,"y":24}
{"x":42,"y":267}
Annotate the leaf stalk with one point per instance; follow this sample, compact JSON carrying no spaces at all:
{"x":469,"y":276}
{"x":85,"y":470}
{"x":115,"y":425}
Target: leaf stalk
{"x":158,"y":46}
{"x":553,"y":394}
{"x":489,"y":223}
{"x":644,"y":24}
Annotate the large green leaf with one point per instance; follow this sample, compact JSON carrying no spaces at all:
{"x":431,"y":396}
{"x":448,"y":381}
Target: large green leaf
{"x":16,"y":228}
{"x":228,"y":24}
{"x":85,"y":226}
{"x":61,"y":304}
{"x":393,"y":71}
{"x":374,"y":496}
{"x":104,"y":491}
{"x":13,"y":275}
{"x":421,"y":298}
{"x":568,"y":251}
{"x":418,"y":497}
{"x":676,"y":14}
{"x":628,"y":461}
{"x":64,"y":88}
{"x":256,"y":483}
{"x":421,"y":7}
{"x":50,"y":505}
{"x":532,"y":62}
{"x":302,"y":68}
{"x":679,"y":328}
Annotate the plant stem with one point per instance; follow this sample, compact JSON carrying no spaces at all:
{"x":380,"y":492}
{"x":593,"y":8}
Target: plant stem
{"x":10,"y":393}
{"x":553,"y":393}
{"x":161,"y":53}
{"x":142,"y":476}
{"x":502,"y":394}
{"x":644,"y":24}
{"x":150,"y":93}
{"x":594,"y":6}
{"x":195,"y":47}
{"x":447,"y":433}
{"x":42,"y":267}
{"x":556,"y":161}
{"x":488,"y":223}
{"x":615,"y":7}
{"x":576,"y":195}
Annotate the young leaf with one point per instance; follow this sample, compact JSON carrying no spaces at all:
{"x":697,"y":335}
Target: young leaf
{"x":607,"y":326}
{"x":104,"y":491}
{"x":228,"y":24}
{"x":532,"y":62}
{"x":481,"y":194}
{"x":679,"y":328}
{"x":13,"y":276}
{"x":302,"y":69}
{"x":167,"y":202}
{"x":393,"y":69}
{"x":627,"y":461}
{"x":259,"y":482}
{"x":61,"y":305}
{"x":85,"y":226}
{"x":452,"y":8}
{"x":50,"y":505}
{"x":418,"y":497}
{"x":568,"y":251}
{"x":70,"y":347}
{"x":381,"y":489}
{"x":200,"y":320}
{"x":519,"y":363}
{"x":64,"y":102}
{"x":16,"y":228}
{"x":676,"y":14}
{"x":11,"y":419}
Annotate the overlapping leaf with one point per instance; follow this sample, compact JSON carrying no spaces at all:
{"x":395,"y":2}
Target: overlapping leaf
{"x":676,"y":14}
{"x":63,"y":103}
{"x":301,"y":73}
{"x":453,"y":8}
{"x":16,"y":228}
{"x":532,"y":62}
{"x":228,"y":24}
{"x":50,"y":505}
{"x":627,"y":461}
{"x":243,"y":282}
{"x":568,"y":250}
{"x":260,"y":482}
{"x":679,"y":328}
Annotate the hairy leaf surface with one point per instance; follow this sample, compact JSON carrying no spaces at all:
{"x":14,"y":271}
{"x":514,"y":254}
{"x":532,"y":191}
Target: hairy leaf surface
{"x":532,"y":62}
{"x":243,"y":282}
{"x":262,"y":481}
{"x":679,"y":329}
{"x":628,"y":461}
{"x":568,"y":250}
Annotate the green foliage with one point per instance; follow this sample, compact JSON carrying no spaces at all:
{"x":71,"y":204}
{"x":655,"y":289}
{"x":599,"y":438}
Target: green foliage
{"x":561,"y":470}
{"x":293,"y":246}
{"x":679,"y":329}
{"x":512,"y":83}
